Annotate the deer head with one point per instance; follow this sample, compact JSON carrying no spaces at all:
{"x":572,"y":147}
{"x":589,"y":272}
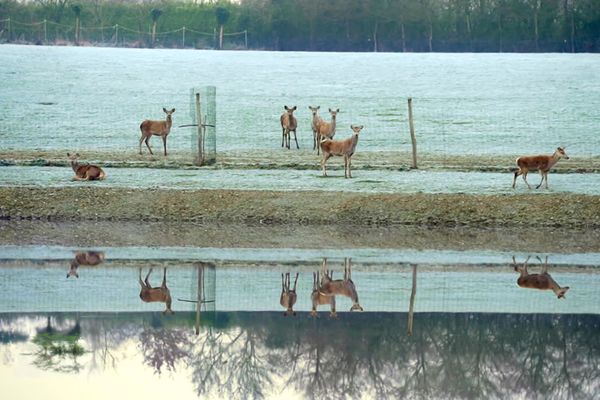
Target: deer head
{"x":561,"y":153}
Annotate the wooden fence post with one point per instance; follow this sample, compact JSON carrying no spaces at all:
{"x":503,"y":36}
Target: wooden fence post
{"x":412,"y":134}
{"x":200,"y":124}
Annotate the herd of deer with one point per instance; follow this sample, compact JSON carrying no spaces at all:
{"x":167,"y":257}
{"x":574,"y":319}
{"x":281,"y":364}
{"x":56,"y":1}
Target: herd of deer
{"x":323,"y":142}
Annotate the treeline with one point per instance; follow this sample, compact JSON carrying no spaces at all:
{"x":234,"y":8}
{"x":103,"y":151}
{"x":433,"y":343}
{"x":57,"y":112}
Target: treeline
{"x":315,"y":25}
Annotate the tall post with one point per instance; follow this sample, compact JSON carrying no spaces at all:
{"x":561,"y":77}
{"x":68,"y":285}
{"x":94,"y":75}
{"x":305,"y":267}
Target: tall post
{"x":117,"y":35}
{"x":183,"y":38}
{"x":412,"y":134}
{"x":200,"y":127}
{"x":411,"y":307}
{"x":200,"y":297}
{"x":246,"y":39}
{"x":45,"y":32}
{"x":9,"y":31}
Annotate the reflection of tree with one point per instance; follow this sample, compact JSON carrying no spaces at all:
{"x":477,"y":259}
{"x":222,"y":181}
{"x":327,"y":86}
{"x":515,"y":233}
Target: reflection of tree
{"x":58,"y":350}
{"x":164,"y":347}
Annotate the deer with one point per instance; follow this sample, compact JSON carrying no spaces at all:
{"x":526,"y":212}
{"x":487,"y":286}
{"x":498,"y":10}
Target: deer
{"x":341,"y":287}
{"x":160,"y":294}
{"x":158,"y":128}
{"x":543,"y":163}
{"x":315,"y":123}
{"x":542,"y":281}
{"x":288,"y":297}
{"x":326,"y":130}
{"x":85,"y":172}
{"x":345,"y":148}
{"x":319,"y":299}
{"x":288,"y":124}
{"x":85,"y":258}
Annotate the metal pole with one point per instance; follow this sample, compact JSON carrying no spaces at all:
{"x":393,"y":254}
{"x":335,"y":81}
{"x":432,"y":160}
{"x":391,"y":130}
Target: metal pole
{"x":412,"y":134}
{"x":200,"y":155}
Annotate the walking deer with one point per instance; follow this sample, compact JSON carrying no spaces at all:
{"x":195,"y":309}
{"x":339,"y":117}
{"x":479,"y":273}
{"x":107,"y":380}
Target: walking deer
{"x":319,"y":299}
{"x":288,"y":124}
{"x":326,"y":130}
{"x":85,"y":172}
{"x":158,"y":128}
{"x":160,"y":294}
{"x":85,"y":258}
{"x":542,"y":281}
{"x":288,"y":297}
{"x":543,"y":163}
{"x":345,"y":148}
{"x":341,"y":287}
{"x":315,"y":123}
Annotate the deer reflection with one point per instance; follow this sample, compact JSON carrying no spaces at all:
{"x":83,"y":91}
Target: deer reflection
{"x":542,"y":281}
{"x":319,"y":299}
{"x":341,"y":287}
{"x":160,"y":294}
{"x":85,"y":258}
{"x":288,"y":296}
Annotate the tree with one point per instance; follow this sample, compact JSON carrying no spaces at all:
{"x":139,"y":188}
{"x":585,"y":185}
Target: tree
{"x":222,"y":15}
{"x":77,"y":10}
{"x":155,"y":13}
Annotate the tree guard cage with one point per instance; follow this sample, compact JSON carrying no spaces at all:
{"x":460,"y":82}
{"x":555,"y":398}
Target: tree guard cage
{"x":204,"y":125}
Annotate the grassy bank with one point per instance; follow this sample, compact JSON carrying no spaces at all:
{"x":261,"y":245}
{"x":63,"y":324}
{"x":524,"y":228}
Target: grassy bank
{"x":315,"y":208}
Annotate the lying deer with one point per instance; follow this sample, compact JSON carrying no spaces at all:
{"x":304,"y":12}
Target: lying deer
{"x":288,"y":124}
{"x":543,"y":163}
{"x":542,"y":281}
{"x":288,"y":297}
{"x":85,"y":258}
{"x":315,"y":123}
{"x":319,"y":299}
{"x":85,"y":172}
{"x":160,"y":294}
{"x":343,"y":148}
{"x":341,"y":287}
{"x":158,"y":128}
{"x":326,"y":130}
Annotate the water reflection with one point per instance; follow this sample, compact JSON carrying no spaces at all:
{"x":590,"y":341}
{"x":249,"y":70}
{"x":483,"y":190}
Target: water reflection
{"x":542,"y":281}
{"x":85,"y":258}
{"x":340,"y":287}
{"x":58,"y":349}
{"x":288,"y":296}
{"x":160,"y":294}
{"x":317,"y":298}
{"x":243,"y":355}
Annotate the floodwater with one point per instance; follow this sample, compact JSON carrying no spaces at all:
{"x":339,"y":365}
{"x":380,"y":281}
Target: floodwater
{"x":366,"y":181}
{"x":77,"y":98}
{"x":437,"y":322}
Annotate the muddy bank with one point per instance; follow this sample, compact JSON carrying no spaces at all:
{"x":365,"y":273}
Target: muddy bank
{"x":297,"y":159}
{"x":299,"y":208}
{"x":91,"y":234}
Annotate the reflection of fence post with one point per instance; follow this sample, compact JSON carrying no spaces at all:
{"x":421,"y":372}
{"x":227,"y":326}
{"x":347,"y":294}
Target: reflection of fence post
{"x":411,"y":308}
{"x":200,"y":128}
{"x":200,"y":298}
{"x":412,"y":134}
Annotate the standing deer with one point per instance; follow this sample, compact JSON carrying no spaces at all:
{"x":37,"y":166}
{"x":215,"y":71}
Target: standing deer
{"x":160,"y":294}
{"x":542,"y":281}
{"x":85,"y":258}
{"x":158,"y":128}
{"x":343,"y":148}
{"x":85,"y":172}
{"x":288,"y":297}
{"x":315,"y":123}
{"x":326,"y":130}
{"x":341,"y":287}
{"x":543,"y":163}
{"x":319,"y":299}
{"x":288,"y":124}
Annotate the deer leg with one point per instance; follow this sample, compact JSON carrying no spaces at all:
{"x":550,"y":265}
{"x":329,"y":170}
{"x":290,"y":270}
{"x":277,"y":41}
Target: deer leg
{"x":318,"y":142}
{"x":282,"y":136}
{"x":148,"y":144}
{"x":517,"y":173}
{"x":288,"y":138}
{"x":164,"y":138}
{"x":295,"y":281}
{"x":542,"y":181}
{"x":525,"y":179}
{"x":140,"y":279}
{"x":141,"y":141}
{"x":147,"y":276}
{"x":296,"y":139}
{"x":164,"y":282}
{"x":545,"y":267}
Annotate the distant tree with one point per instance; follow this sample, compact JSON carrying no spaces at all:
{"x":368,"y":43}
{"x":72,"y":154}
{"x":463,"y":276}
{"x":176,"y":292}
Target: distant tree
{"x":222,"y":15}
{"x":155,"y":14}
{"x":77,"y":10}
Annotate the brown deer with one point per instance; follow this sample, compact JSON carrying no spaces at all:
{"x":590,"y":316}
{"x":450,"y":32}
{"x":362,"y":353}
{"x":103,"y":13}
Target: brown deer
{"x":319,"y":299}
{"x":85,"y":258}
{"x":345,"y":148}
{"x":288,"y":297}
{"x":160,"y":294}
{"x":85,"y":172}
{"x":326,"y":130}
{"x":158,"y":128}
{"x":288,"y":124}
{"x":543,"y":163}
{"x":315,"y":123}
{"x":542,"y":281}
{"x":341,"y":287}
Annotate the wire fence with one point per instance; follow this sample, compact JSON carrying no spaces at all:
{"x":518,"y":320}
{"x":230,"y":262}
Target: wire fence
{"x":50,"y":32}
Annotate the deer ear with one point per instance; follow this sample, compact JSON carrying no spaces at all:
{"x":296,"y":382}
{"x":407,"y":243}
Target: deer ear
{"x":338,"y":110}
{"x":68,"y":154}
{"x":294,"y":108}
{"x":285,"y":107}
{"x":67,"y":276}
{"x":330,"y":110}
{"x":318,"y":107}
{"x":173,"y":110}
{"x":164,"y":109}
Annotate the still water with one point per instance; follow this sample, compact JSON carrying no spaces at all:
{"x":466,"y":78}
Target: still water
{"x":95,"y":98}
{"x":437,"y":323}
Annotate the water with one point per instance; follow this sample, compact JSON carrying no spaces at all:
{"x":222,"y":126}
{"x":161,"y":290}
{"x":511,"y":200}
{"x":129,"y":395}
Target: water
{"x":302,"y":180}
{"x":95,"y":98}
